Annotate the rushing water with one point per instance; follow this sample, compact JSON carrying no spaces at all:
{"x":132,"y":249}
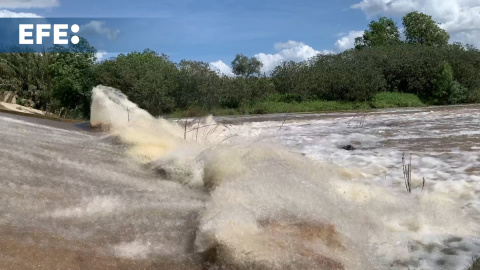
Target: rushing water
{"x":266,"y":192}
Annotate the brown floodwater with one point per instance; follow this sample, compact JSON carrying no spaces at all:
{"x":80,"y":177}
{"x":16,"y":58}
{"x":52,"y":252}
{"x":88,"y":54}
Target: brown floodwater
{"x":70,"y":197}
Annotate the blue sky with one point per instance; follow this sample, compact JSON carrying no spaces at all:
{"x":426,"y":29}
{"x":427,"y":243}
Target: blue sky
{"x":213,"y":30}
{"x":273,"y":31}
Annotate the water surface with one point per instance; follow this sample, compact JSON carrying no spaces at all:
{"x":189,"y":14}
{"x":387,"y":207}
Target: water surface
{"x":77,"y":199}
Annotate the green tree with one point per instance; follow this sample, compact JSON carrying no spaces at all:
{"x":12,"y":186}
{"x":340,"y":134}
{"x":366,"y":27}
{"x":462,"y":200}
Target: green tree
{"x":383,"y":32}
{"x":447,"y":89}
{"x":147,"y":78}
{"x":198,"y":85}
{"x":420,"y":28}
{"x":293,"y":80}
{"x":72,"y":71}
{"x":465,"y":62}
{"x":246,"y":67}
{"x":354,"y":75}
{"x":26,"y":73}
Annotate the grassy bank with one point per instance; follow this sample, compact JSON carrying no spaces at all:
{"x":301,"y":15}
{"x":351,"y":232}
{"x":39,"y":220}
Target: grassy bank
{"x":280,"y":105}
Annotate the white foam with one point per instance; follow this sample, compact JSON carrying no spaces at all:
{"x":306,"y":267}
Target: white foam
{"x":262,"y":192}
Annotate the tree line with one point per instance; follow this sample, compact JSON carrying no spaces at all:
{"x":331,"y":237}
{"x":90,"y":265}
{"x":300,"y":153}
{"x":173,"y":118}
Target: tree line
{"x":423,"y":63}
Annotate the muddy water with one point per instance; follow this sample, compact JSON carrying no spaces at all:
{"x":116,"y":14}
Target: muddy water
{"x":73,"y":199}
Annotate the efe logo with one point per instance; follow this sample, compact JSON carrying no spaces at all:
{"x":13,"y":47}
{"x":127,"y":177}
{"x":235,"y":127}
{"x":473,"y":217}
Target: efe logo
{"x":60,"y":32}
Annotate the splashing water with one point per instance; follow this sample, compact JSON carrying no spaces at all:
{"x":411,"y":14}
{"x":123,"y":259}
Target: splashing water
{"x":254,"y":195}
{"x":269,"y":207}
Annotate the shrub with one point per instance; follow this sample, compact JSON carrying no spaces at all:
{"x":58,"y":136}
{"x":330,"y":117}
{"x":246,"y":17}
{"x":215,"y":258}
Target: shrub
{"x":447,"y":90}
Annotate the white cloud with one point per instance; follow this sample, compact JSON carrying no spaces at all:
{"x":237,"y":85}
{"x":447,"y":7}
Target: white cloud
{"x":99,"y":28}
{"x":287,"y":51}
{"x":387,"y":7}
{"x":461,"y":18}
{"x":10,"y":14}
{"x":28,"y":3}
{"x":221,"y":68}
{"x":347,"y":41}
{"x":100,"y":55}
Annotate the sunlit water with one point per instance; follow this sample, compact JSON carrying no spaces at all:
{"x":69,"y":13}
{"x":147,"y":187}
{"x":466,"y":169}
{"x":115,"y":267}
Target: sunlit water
{"x":268,"y":192}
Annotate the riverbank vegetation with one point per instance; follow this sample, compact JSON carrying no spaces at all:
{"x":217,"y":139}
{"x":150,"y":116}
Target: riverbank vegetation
{"x":381,"y":71}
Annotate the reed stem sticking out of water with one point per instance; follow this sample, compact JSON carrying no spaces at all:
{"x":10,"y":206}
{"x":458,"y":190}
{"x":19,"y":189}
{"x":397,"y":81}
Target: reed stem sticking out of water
{"x":407,"y":172}
{"x":198,"y":126}
{"x":361,"y":121}
{"x":185,"y":132}
{"x":201,"y":124}
{"x":283,"y":123}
